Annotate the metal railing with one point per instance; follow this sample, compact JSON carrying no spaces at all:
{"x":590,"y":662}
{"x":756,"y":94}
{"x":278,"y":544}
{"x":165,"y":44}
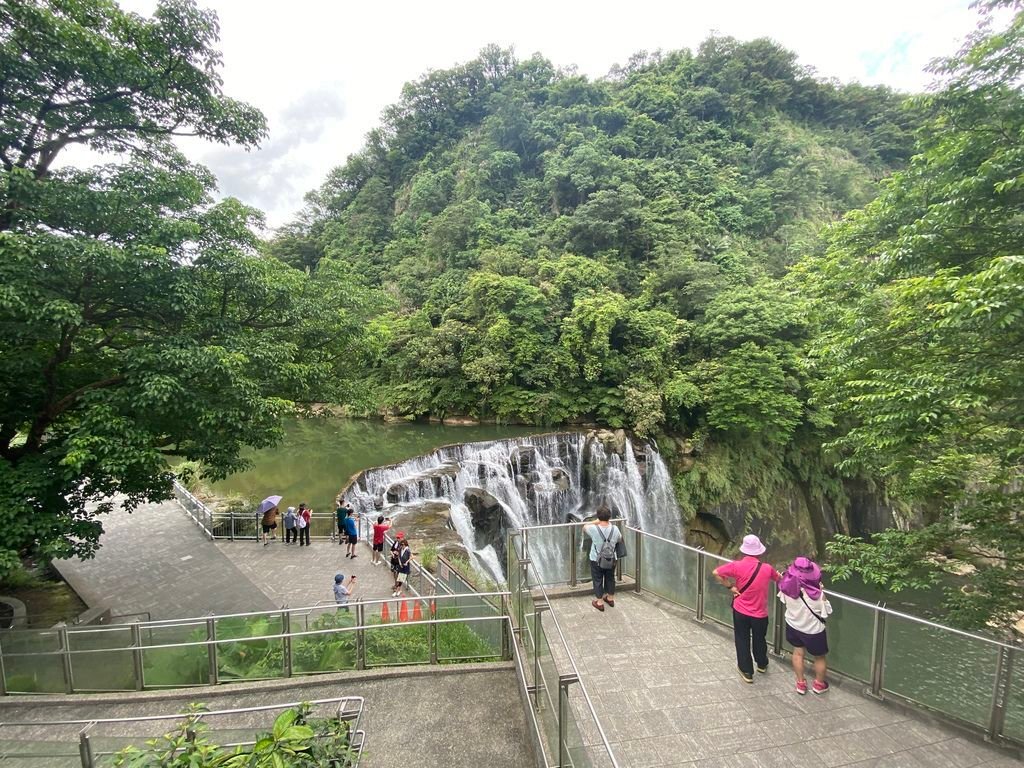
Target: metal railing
{"x":969,"y":679}
{"x":245,"y":526}
{"x":92,"y":747}
{"x":209,"y":650}
{"x":572,"y":731}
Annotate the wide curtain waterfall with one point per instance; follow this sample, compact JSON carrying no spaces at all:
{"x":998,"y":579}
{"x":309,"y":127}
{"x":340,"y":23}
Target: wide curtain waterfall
{"x":527,"y":481}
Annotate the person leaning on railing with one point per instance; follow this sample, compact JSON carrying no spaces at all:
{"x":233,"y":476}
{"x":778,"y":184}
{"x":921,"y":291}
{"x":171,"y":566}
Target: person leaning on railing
{"x":747,"y":579}
{"x":601,"y":533}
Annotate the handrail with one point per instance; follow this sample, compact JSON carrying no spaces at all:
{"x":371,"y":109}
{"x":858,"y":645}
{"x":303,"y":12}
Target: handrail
{"x":830,"y":592}
{"x":179,"y":715}
{"x":254,"y":638}
{"x":579,"y":678}
{"x":196,"y":620}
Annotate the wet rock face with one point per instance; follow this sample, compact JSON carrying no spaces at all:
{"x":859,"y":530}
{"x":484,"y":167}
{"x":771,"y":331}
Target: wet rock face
{"x":428,"y":523}
{"x":487,"y":515}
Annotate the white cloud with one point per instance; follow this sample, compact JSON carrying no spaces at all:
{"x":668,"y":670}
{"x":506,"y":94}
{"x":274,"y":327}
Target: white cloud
{"x":323,"y":70}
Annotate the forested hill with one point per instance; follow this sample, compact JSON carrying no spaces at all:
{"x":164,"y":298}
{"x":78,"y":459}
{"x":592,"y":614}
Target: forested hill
{"x":561,"y":248}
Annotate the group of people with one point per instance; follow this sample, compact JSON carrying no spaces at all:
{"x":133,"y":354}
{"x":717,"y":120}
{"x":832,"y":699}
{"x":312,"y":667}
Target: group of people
{"x":748,"y":580}
{"x":296,"y":525}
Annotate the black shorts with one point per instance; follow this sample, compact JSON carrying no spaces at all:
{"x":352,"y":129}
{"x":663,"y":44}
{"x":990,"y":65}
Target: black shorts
{"x":353,"y":539}
{"x":816,"y":645}
{"x":378,"y":547}
{"x":269,"y":528}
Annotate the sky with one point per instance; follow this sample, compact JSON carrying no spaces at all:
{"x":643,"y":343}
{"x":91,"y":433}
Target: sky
{"x":322,"y":71}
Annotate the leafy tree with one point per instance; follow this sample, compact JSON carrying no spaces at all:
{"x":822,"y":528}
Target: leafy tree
{"x":137,"y":318}
{"x":920,"y":355}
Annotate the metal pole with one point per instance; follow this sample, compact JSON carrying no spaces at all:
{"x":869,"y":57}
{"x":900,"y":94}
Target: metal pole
{"x":573,"y":546}
{"x":780,"y":620}
{"x":564,"y":681}
{"x":638,"y":559}
{"x":1000,"y":693}
{"x":137,"y":655}
{"x":231,"y":533}
{"x":360,"y":636}
{"x":506,"y":639}
{"x":85,"y":749}
{"x":524,"y":566}
{"x":286,"y":640}
{"x":618,"y":563}
{"x":526,"y":546}
{"x":3,"y":676}
{"x":432,"y":637}
{"x":701,"y":565}
{"x":65,"y":658}
{"x":211,"y":650}
{"x":536,"y":656}
{"x":877,"y":652}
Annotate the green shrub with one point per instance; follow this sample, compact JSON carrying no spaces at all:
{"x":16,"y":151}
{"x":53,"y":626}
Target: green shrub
{"x":295,"y":741}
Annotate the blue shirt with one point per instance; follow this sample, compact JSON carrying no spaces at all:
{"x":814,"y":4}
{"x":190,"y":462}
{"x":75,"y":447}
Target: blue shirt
{"x":341,"y":593}
{"x":350,"y":526}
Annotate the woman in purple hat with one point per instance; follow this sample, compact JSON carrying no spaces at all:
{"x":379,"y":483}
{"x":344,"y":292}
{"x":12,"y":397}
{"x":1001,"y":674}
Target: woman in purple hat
{"x":748,"y":579}
{"x":806,"y":611}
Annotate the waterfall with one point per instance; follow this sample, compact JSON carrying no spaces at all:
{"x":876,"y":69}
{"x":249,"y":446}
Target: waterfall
{"x":526,"y":481}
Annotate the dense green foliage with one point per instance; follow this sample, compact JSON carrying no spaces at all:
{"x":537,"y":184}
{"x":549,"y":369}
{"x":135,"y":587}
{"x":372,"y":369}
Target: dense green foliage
{"x":559,"y":249}
{"x":920,"y":358}
{"x":138,"y":319}
{"x":296,"y":740}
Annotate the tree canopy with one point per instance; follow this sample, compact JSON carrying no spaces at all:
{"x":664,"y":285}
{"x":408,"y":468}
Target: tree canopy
{"x":919,"y":358}
{"x":138,"y":319}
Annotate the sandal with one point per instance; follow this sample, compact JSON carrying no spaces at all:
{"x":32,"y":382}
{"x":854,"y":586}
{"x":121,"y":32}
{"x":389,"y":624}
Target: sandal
{"x":609,"y":600}
{"x":597,"y":604}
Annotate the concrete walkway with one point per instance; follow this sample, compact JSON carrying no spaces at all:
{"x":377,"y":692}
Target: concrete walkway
{"x":456,"y":716}
{"x":157,"y":560}
{"x":667,"y":693}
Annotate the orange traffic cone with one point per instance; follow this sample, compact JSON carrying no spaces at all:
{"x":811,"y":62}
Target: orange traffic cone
{"x":403,"y":611}
{"x":385,"y":615}
{"x":417,"y":612}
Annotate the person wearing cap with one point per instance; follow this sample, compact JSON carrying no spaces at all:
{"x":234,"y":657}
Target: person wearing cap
{"x":807,"y":608}
{"x":748,"y":580}
{"x":343,"y":591}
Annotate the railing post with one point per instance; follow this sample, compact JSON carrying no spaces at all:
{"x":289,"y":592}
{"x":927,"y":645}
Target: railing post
{"x":3,"y":675}
{"x":780,"y":620}
{"x":85,"y":748}
{"x":506,"y":638}
{"x":524,"y":567}
{"x":360,"y":635}
{"x":877,"y":651}
{"x":231,"y":522}
{"x":537,"y":610}
{"x":701,"y":565}
{"x":638,"y":560}
{"x":432,"y":637}
{"x":65,"y":658}
{"x":137,"y":655}
{"x":618,"y":562}
{"x":573,"y":554}
{"x":286,"y":640}
{"x":564,"y":681}
{"x":1000,"y":693}
{"x":526,"y":543}
{"x":211,"y":650}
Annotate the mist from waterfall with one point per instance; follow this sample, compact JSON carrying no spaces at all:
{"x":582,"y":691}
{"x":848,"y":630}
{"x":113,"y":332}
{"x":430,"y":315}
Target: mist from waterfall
{"x":536,"y":480}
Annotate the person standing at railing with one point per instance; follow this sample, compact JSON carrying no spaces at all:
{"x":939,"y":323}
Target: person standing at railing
{"x":396,"y":547}
{"x":351,"y":528}
{"x":748,"y":580}
{"x":381,"y":527}
{"x":603,"y":538}
{"x":269,"y":524}
{"x":807,"y":609}
{"x":291,"y":533}
{"x":404,"y":567}
{"x":303,"y":516}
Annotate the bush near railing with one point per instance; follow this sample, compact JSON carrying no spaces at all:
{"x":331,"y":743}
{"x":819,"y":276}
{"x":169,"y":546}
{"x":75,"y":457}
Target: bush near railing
{"x":296,"y":740}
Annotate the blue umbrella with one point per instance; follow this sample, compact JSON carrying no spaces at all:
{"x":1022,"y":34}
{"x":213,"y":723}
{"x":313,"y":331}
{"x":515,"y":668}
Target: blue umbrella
{"x":269,"y":503}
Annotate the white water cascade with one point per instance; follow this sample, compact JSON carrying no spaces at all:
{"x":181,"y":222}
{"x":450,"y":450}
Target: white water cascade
{"x":535,"y":480}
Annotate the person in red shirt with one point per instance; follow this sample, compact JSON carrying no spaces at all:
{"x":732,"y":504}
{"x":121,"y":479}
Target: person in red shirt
{"x":379,"y":528}
{"x":748,"y":579}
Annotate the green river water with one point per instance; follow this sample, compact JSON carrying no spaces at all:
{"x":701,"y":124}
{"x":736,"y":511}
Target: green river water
{"x":318,"y":456}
